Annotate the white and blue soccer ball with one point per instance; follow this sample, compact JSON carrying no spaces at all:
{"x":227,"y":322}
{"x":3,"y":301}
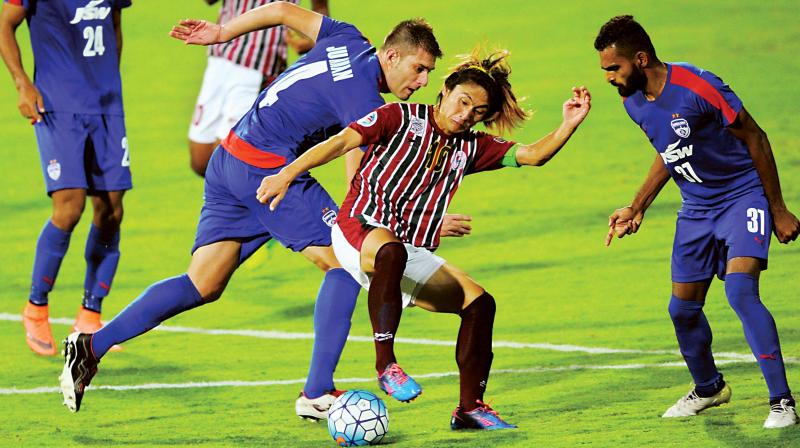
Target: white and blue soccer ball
{"x":358,"y":418}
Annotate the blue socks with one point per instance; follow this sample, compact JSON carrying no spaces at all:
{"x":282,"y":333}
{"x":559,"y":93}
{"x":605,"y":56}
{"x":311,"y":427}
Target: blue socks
{"x":694,"y":339}
{"x":50,"y":250}
{"x":759,"y":330}
{"x":156,"y":304}
{"x":102,"y":257}
{"x":336,"y":301}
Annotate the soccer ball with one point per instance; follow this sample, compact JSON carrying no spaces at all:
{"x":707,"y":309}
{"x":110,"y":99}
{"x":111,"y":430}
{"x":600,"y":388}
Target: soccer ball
{"x":358,"y":418}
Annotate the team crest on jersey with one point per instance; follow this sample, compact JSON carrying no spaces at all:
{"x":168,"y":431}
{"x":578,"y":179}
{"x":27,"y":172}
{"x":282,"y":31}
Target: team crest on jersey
{"x":329,"y":216}
{"x":369,"y":120}
{"x":417,"y":126}
{"x":91,"y":11}
{"x":681,"y":127}
{"x":500,"y":140}
{"x":54,"y":169}
{"x":459,"y":161}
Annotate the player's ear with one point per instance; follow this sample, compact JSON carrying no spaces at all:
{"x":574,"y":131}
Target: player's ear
{"x":392,"y":56}
{"x":642,"y":59}
{"x":442,"y":93}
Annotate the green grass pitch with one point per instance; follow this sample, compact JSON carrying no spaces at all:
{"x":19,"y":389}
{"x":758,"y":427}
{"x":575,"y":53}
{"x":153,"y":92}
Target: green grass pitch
{"x":537,"y":246}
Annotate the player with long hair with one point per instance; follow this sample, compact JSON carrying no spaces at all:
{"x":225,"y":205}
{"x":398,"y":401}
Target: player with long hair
{"x":387,"y":228}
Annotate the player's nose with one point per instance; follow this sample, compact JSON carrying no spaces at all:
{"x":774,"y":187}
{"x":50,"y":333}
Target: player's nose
{"x":422,"y":79}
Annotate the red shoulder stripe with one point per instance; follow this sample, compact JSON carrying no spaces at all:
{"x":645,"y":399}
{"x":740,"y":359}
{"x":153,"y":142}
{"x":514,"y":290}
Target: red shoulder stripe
{"x":698,"y":85}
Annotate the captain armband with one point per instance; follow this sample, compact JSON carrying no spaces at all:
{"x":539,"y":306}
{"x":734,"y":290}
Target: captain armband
{"x":510,"y":159}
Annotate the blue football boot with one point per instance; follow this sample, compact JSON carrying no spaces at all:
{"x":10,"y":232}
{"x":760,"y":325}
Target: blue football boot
{"x":483,"y":417}
{"x":395,"y":382}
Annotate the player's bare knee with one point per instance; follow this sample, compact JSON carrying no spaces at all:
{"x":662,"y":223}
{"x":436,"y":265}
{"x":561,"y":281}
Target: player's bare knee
{"x":67,"y":216}
{"x":210,"y":291}
{"x":322,"y":257}
{"x":108,"y":218}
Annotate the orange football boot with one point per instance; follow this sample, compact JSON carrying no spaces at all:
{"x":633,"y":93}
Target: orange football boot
{"x":37,"y":329}
{"x":88,"y":322}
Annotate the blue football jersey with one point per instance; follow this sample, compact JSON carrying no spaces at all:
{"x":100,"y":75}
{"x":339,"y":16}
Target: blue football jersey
{"x":687,"y":126}
{"x":75,"y":54}
{"x":334,"y":84}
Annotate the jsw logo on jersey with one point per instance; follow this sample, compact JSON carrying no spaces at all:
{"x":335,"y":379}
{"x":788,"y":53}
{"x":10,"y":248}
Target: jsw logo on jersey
{"x":673,"y":153}
{"x":91,"y":12}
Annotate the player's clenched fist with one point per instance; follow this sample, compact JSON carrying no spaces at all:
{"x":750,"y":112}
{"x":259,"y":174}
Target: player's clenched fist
{"x":787,"y":227}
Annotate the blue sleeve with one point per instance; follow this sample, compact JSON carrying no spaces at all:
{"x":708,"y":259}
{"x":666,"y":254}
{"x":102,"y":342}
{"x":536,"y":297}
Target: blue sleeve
{"x":355,"y":105}
{"x":730,"y":105}
{"x":331,"y":27}
{"x":358,"y":106}
{"x":119,"y":4}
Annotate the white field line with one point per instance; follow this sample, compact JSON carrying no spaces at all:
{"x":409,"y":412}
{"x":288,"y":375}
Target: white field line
{"x":193,"y":385}
{"x":262,"y":334}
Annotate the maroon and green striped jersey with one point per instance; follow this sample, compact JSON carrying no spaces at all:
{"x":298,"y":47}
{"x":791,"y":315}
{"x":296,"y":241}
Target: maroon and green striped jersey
{"x":412,"y":169}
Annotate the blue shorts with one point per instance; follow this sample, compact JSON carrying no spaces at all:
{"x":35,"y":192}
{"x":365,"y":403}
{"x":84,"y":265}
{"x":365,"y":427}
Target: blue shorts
{"x":231,"y":212}
{"x":706,"y":239}
{"x":83,"y":151}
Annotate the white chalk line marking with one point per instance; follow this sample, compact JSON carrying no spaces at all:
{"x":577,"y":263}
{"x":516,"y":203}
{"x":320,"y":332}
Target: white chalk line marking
{"x":198,"y":385}
{"x":265,"y":334}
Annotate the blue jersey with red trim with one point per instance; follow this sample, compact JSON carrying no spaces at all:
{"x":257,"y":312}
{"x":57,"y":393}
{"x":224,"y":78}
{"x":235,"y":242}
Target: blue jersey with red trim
{"x":334,"y":84}
{"x":75,"y":54}
{"x":687,"y":126}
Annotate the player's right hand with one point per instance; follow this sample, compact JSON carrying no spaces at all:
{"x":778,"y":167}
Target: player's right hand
{"x":624,"y":221}
{"x":274,"y":186}
{"x":197,"y":32}
{"x":31,"y":104}
{"x":456,"y":225}
{"x":786,"y":224}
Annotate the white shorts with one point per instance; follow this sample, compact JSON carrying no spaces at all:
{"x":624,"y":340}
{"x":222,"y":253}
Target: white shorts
{"x":421,"y":265}
{"x":228,"y":91}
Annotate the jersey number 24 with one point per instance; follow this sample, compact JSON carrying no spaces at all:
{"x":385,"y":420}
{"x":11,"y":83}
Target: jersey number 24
{"x":94,"y":41}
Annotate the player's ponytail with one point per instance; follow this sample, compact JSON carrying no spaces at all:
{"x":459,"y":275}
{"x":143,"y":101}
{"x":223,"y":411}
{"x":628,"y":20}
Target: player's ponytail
{"x":491,"y":73}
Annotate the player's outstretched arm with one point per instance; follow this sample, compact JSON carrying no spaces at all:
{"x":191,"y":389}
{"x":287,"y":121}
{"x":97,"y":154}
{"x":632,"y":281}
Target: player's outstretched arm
{"x":30,"y":103}
{"x":275,"y":186}
{"x":785,"y":223}
{"x":627,"y":220}
{"x":201,"y":32}
{"x":574,"y":110}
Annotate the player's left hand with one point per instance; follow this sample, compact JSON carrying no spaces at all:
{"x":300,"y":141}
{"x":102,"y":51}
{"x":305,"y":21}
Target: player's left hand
{"x":197,"y":32}
{"x":456,"y":225}
{"x":274,"y":186}
{"x":576,"y":108}
{"x":786,"y":225}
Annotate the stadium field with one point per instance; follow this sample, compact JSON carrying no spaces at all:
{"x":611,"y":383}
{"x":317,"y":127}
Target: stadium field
{"x":585,"y":353}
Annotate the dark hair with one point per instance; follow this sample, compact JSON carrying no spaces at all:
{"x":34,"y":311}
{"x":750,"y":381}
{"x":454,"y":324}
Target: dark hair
{"x":626,"y":35}
{"x":490,"y":73}
{"x":414,"y":33}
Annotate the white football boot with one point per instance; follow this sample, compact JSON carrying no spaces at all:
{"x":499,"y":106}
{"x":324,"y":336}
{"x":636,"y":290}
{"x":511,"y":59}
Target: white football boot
{"x":691,"y":404}
{"x":781,"y":415}
{"x":315,"y":408}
